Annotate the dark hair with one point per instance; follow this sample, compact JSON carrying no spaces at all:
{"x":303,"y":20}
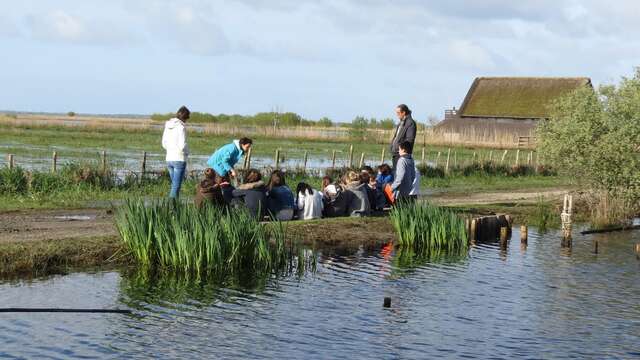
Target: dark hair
{"x":209,"y":173}
{"x":245,"y":140}
{"x":364,"y":177}
{"x":304,"y":188}
{"x":253,"y":175}
{"x":277,"y":179}
{"x":404,"y":108}
{"x":183,"y":113}
{"x":367,"y":168}
{"x":406,"y":146}
{"x":326,"y":181}
{"x":384,"y":169}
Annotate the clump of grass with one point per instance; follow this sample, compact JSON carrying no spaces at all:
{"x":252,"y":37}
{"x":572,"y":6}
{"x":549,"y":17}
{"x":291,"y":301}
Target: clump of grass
{"x":425,"y":226}
{"x":543,"y":215}
{"x":13,"y":181}
{"x":209,"y":240}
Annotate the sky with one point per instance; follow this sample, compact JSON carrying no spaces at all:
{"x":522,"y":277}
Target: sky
{"x":334,"y":58}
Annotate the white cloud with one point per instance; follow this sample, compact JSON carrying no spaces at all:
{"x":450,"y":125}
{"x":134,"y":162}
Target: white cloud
{"x":471,"y":55}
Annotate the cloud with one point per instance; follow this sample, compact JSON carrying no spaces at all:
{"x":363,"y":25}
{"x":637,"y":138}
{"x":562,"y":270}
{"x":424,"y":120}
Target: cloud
{"x":471,"y":55}
{"x":62,"y":26}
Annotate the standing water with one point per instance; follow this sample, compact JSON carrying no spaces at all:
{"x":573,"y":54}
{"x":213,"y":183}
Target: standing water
{"x":536,"y":302}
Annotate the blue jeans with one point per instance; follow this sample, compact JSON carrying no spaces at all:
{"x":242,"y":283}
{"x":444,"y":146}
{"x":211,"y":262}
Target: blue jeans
{"x":176,"y":174}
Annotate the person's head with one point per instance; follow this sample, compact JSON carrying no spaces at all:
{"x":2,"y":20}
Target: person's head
{"x":353,"y":176}
{"x":253,"y":175}
{"x":405,"y":148}
{"x":245,"y":143}
{"x":277,"y":179}
{"x":402,"y":111}
{"x":364,"y":177}
{"x":384,"y":169}
{"x":183,"y":114}
{"x":304,"y":188}
{"x":209,"y":174}
{"x":367,"y":169}
{"x":326,"y":181}
{"x":221,"y":179}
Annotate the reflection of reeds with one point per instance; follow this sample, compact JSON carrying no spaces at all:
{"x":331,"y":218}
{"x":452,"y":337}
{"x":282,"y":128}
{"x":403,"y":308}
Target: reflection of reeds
{"x":210,"y":240}
{"x":425,"y":226}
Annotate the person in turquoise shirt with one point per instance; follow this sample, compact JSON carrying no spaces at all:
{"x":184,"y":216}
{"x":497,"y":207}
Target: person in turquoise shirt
{"x":226,"y":157}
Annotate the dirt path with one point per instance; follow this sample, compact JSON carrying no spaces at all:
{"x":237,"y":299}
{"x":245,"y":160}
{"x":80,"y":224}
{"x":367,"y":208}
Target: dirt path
{"x":38,"y":225}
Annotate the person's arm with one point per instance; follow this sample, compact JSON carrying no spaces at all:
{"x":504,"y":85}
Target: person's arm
{"x":410,"y":134}
{"x":301,"y":197}
{"x":226,"y":160}
{"x":164,"y":139}
{"x":399,"y":174}
{"x":182,"y":140}
{"x":239,"y":192}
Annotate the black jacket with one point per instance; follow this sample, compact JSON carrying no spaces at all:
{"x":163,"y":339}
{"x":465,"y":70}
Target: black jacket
{"x":407,"y":133}
{"x":254,"y":198}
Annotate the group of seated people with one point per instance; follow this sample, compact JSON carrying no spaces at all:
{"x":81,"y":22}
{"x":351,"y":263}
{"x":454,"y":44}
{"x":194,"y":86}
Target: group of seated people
{"x":356,"y":194}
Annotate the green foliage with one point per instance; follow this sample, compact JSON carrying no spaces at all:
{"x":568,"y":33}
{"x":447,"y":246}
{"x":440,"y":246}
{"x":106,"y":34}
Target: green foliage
{"x":210,"y":240}
{"x":543,"y":215}
{"x":593,"y":137}
{"x":424,"y":226}
{"x":71,"y":114}
{"x":13,"y":181}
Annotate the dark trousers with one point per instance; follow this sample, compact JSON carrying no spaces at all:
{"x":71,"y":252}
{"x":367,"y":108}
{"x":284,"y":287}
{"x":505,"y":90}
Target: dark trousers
{"x":394,"y":158}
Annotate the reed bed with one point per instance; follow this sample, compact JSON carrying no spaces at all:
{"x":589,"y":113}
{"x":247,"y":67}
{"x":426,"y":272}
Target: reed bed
{"x":210,"y":240}
{"x":426,"y":227}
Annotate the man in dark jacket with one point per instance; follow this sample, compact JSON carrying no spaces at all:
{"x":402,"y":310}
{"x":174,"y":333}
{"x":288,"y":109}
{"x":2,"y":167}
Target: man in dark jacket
{"x":405,"y":131}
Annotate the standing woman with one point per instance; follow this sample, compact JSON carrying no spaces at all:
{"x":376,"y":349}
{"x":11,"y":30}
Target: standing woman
{"x":174,"y":141}
{"x":226,"y":157}
{"x":405,"y":131}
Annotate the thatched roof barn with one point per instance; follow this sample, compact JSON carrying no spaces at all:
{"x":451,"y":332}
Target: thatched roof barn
{"x":506,"y":107}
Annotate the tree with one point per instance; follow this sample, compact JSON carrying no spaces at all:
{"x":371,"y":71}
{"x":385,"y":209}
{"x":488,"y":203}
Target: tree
{"x":593,"y":137}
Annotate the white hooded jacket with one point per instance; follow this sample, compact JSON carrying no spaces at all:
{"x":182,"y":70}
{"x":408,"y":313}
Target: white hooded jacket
{"x":174,"y":140}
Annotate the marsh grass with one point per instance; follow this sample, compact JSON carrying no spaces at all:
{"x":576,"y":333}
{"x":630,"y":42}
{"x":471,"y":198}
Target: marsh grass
{"x":425,"y":227}
{"x":211,"y":240}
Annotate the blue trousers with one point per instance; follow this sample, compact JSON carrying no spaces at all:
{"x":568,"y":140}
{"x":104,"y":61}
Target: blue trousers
{"x":176,"y":173}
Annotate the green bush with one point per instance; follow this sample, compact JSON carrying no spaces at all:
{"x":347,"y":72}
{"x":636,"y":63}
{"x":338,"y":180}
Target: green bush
{"x":13,"y":181}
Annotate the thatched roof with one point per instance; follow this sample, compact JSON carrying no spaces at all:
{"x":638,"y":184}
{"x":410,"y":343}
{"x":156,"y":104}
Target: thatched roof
{"x":516,"y":97}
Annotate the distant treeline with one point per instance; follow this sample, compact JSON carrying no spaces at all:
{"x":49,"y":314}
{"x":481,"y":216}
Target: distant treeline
{"x":279,"y":119}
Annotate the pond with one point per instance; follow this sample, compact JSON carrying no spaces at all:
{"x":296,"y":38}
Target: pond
{"x":541,"y":301}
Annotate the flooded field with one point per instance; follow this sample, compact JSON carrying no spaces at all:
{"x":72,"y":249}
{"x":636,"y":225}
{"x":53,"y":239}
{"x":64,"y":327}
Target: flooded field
{"x":539,"y":301}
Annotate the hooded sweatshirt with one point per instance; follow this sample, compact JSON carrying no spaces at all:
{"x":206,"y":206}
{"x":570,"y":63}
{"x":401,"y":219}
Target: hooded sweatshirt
{"x":223,"y":160}
{"x":174,"y":140}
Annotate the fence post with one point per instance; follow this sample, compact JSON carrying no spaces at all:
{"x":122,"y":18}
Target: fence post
{"x":437,"y":159}
{"x":361,"y":161}
{"x":54,"y":162}
{"x":351,"y":156}
{"x":10,"y":161}
{"x":333,"y":160}
{"x":491,"y":156}
{"x":422,"y":160}
{"x":143,"y":168}
{"x":104,"y":161}
{"x":382,"y":156}
{"x":517,"y":157}
{"x":277,"y":158}
{"x":455,"y":159}
{"x":249,"y":158}
{"x":530,"y":157}
{"x":503,"y":156}
{"x":304,"y":167}
{"x":446,"y":167}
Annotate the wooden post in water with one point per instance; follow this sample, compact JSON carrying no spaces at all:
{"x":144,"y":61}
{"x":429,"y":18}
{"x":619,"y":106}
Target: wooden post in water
{"x":503,"y":156}
{"x":304,"y":163}
{"x":249,"y":158}
{"x":524,"y":234}
{"x":10,"y":161}
{"x":595,"y":247}
{"x":446,"y":167}
{"x":333,"y":160}
{"x":504,"y":235}
{"x":143,"y":168}
{"x":104,"y":161}
{"x":382,"y":156}
{"x":565,"y":217}
{"x":350,"y":156}
{"x":473,"y":231}
{"x":277,"y":159}
{"x":54,"y":162}
{"x":517,"y":158}
{"x":361,"y":161}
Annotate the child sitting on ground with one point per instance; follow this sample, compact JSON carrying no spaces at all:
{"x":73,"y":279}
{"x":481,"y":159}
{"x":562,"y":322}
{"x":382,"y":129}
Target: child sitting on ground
{"x":359,"y":203}
{"x":279,"y":197}
{"x":335,"y":198}
{"x":252,"y":194}
{"x":208,"y":191}
{"x":309,"y":202}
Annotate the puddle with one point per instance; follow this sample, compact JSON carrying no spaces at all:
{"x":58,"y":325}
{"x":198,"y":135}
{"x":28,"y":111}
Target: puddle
{"x":74,"y":217}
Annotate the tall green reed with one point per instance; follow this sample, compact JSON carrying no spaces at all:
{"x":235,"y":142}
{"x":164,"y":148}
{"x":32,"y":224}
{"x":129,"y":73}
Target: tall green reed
{"x":424,"y":226}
